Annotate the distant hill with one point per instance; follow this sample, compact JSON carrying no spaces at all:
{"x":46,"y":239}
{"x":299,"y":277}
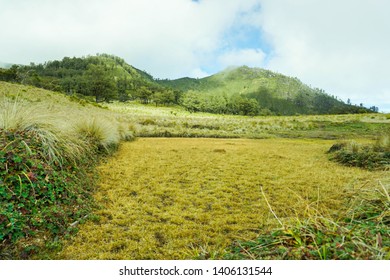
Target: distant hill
{"x":242,"y":80}
{"x":275,"y":93}
{"x":240,"y":90}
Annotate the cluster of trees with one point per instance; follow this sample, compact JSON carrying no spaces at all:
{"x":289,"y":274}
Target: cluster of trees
{"x":219,"y":103}
{"x":9,"y":75}
{"x":263,"y":102}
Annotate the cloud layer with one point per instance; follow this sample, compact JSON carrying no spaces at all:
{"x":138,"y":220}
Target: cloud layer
{"x":168,"y":38}
{"x":339,"y":46}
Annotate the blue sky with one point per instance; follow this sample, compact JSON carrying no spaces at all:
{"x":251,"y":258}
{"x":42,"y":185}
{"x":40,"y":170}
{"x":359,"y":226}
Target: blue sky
{"x":326,"y":44}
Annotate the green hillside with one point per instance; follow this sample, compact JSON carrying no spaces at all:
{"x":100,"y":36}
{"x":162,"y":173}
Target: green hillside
{"x":105,"y":77}
{"x":241,"y":80}
{"x":236,"y":91}
{"x":274,"y":93}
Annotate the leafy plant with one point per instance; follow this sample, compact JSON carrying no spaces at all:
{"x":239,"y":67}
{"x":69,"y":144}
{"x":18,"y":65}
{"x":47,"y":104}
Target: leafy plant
{"x":38,"y":196}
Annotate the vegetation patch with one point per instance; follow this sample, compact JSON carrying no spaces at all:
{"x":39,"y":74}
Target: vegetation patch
{"x":374,"y":156}
{"x":47,"y":166}
{"x":39,"y":197}
{"x":362,"y":233}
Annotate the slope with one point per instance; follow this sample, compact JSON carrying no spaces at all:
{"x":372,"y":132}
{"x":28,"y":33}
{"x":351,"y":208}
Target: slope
{"x":275,"y":93}
{"x":69,"y":75}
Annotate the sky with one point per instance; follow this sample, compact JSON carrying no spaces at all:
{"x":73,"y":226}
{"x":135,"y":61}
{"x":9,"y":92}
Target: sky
{"x":340,"y":46}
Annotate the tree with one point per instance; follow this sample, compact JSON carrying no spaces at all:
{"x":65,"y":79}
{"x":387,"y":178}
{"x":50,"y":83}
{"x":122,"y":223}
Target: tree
{"x":144,"y":94}
{"x":99,"y":83}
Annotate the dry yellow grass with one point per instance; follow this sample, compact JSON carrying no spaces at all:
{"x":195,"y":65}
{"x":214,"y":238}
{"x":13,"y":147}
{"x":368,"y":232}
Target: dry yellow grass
{"x":188,"y":198}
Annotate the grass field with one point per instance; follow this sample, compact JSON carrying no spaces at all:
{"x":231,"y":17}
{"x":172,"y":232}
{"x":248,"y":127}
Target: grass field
{"x":151,"y":121}
{"x":191,"y":198}
{"x":213,"y":181}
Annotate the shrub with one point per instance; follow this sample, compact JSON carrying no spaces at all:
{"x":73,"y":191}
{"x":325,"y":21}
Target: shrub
{"x":40,"y":197}
{"x":46,"y":170}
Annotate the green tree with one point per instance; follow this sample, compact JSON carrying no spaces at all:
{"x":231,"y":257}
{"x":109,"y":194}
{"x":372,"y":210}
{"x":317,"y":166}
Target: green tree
{"x":144,"y":94}
{"x":100,"y":84}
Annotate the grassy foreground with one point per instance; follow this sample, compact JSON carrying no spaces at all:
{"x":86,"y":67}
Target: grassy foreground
{"x":48,"y":152}
{"x":192,"y":198}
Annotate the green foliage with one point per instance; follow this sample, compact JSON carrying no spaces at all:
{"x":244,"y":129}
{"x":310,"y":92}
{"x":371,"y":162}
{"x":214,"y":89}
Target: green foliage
{"x":9,"y":75}
{"x":47,"y":160}
{"x":219,"y":104}
{"x":278,"y":94}
{"x":104,"y":76}
{"x":37,"y":196}
{"x":100,"y":83}
{"x":108,"y":77}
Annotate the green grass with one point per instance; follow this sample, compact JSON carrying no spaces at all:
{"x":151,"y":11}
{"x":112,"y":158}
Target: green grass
{"x":362,"y":232}
{"x":369,"y":156}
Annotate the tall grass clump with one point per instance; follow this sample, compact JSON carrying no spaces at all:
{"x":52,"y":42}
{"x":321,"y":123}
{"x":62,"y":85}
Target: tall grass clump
{"x":362,"y":232}
{"x":374,"y":156}
{"x":46,"y":174}
{"x":99,"y":134}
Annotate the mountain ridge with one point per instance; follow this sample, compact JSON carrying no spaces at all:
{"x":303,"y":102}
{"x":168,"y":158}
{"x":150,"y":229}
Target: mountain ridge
{"x":235,"y":90}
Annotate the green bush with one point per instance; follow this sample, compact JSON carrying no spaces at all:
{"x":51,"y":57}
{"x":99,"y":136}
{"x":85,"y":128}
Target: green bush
{"x":37,"y":196}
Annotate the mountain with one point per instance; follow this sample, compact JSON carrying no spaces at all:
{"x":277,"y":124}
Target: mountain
{"x":242,"y":80}
{"x":274,"y":93}
{"x":240,"y":90}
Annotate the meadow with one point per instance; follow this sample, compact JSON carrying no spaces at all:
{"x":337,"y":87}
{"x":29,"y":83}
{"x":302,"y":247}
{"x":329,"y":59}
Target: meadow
{"x":152,"y":121}
{"x":177,"y":198}
{"x":191,"y":185}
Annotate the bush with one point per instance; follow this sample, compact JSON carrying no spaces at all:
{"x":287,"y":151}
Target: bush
{"x":46,"y":173}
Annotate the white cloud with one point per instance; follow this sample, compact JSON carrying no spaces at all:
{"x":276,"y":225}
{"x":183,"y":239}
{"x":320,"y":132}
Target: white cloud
{"x":248,"y":57}
{"x":340,"y":46}
{"x":169,"y":38}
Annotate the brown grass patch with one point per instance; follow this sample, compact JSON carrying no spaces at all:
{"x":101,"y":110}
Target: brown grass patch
{"x":173,"y":199}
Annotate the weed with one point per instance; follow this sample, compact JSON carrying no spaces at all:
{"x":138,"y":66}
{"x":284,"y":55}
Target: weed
{"x":47,"y":167}
{"x":39,"y":196}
